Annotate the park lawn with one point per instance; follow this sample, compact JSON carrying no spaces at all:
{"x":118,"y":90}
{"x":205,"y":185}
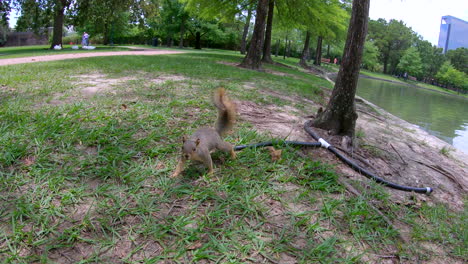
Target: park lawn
{"x":41,"y":50}
{"x":87,"y":147}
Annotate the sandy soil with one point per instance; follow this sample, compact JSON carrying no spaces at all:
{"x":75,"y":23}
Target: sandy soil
{"x":147,"y":52}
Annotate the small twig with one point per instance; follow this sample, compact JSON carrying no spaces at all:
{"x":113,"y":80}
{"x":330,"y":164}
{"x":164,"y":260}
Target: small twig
{"x":388,"y":256}
{"x":267,"y":257}
{"x":355,"y":155}
{"x":406,"y":163}
{"x":374,"y":116}
{"x":441,"y":171}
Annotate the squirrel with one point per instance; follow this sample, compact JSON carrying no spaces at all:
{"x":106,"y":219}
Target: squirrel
{"x":206,"y":139}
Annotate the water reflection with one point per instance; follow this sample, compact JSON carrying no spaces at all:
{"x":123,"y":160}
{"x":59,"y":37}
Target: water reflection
{"x":443,"y":116}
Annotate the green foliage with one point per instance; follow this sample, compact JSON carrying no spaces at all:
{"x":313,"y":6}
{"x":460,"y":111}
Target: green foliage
{"x":370,"y":57}
{"x":107,"y":18}
{"x":411,"y":62}
{"x":450,"y":76}
{"x":392,"y":38}
{"x":431,"y":57}
{"x":459,"y":59}
{"x":35,"y":15}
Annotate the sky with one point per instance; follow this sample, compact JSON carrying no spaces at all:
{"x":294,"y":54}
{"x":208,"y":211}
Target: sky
{"x":423,"y":16}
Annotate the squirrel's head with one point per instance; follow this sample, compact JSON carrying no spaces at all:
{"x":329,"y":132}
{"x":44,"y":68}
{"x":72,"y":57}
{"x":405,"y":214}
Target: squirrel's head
{"x":189,"y":149}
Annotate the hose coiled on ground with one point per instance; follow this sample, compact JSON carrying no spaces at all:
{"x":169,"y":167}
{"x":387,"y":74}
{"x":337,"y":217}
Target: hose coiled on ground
{"x":322,"y":143}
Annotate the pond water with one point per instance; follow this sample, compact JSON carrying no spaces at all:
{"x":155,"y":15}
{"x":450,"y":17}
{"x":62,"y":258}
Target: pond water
{"x":443,"y":116}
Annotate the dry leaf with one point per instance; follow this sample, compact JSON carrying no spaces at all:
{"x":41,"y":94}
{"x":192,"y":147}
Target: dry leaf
{"x":275,"y":153}
{"x":198,"y":244}
{"x":28,"y":161}
{"x":123,"y":107}
{"x":160,"y":166}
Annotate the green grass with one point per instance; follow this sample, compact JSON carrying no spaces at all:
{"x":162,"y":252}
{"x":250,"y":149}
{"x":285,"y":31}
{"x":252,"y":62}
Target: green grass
{"x":40,"y":50}
{"x":85,"y":178}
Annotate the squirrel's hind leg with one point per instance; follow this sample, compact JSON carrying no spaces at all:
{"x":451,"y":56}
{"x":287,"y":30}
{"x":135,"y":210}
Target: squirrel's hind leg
{"x":227,"y":147}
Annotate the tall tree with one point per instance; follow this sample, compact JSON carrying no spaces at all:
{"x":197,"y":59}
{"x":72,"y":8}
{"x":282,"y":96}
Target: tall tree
{"x":392,"y":39}
{"x":340,"y":115}
{"x":410,"y":62}
{"x":370,"y":57}
{"x":269,"y":26}
{"x":243,"y":45}
{"x":103,"y":17}
{"x":4,"y":12}
{"x":431,"y":57}
{"x":253,"y":58}
{"x":305,"y":51}
{"x":59,"y":14}
{"x":459,"y":59}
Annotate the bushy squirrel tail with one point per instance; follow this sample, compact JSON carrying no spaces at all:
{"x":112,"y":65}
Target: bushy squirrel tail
{"x":226,"y":112}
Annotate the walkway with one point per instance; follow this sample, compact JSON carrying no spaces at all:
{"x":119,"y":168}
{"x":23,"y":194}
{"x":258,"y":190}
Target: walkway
{"x":146,"y":52}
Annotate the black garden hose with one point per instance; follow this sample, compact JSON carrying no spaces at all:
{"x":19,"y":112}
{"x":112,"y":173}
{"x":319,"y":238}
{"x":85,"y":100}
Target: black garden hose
{"x":368,"y":174}
{"x":322,"y":143}
{"x":271,"y":143}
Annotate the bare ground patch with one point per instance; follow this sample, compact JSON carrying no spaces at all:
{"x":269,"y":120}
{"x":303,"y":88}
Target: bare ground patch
{"x":403,"y":159}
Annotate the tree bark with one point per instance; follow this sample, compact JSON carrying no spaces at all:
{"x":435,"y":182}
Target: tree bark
{"x":340,"y":115}
{"x":305,"y":51}
{"x":267,"y":45}
{"x":182,"y":33}
{"x":318,"y":52}
{"x":243,"y":47}
{"x":253,"y":58}
{"x":277,"y":47}
{"x":285,"y":48}
{"x":198,"y":40}
{"x":58,"y":23}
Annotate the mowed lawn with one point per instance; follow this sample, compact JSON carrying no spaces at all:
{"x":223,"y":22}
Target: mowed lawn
{"x":87,"y":147}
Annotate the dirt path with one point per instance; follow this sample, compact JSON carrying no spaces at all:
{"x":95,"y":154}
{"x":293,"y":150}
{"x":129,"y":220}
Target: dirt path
{"x":146,"y":52}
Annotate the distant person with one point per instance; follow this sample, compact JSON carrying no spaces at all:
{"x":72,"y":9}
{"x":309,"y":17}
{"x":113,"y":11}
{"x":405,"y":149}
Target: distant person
{"x":85,"y":39}
{"x":335,"y":61}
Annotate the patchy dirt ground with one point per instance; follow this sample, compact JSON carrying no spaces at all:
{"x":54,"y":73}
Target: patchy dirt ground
{"x":392,"y":148}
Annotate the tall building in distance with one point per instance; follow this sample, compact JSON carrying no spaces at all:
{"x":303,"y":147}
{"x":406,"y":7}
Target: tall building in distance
{"x":453,"y":33}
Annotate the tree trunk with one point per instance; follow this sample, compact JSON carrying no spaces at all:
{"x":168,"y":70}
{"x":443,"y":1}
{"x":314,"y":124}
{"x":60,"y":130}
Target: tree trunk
{"x":253,"y":58}
{"x":318,"y":52}
{"x":169,"y":41}
{"x":198,"y":40}
{"x":105,"y":39}
{"x":328,"y":51}
{"x":182,"y":33}
{"x":277,"y":47}
{"x":385,"y":62}
{"x":246,"y":31}
{"x":58,"y":23}
{"x":267,"y":46}
{"x":340,"y":115}
{"x":285,"y":48}
{"x":289,"y":49}
{"x":305,"y":51}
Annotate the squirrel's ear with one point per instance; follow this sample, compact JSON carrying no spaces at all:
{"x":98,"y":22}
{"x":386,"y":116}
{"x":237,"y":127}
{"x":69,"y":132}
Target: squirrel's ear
{"x":197,"y":142}
{"x":184,"y":138}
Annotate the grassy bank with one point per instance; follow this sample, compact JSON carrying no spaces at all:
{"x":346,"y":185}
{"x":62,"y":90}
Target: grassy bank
{"x":87,"y":146}
{"x":410,"y":82}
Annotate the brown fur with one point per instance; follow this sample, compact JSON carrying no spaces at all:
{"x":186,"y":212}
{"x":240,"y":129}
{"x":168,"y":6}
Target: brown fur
{"x":206,"y":139}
